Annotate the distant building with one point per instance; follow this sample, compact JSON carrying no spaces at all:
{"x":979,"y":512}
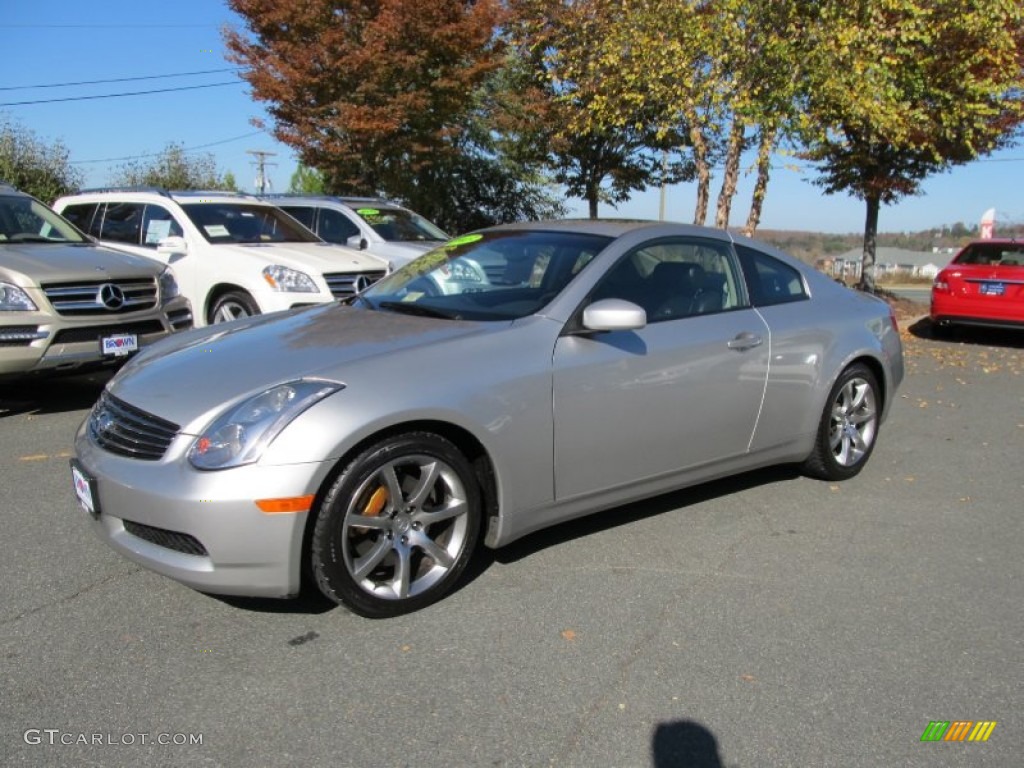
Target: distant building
{"x":888,"y":262}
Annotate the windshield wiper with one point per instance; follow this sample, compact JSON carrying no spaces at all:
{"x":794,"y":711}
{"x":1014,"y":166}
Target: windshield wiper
{"x":417,"y":309}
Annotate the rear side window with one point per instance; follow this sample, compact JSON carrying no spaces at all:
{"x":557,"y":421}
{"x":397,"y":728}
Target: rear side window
{"x":770,"y":281}
{"x":122,"y":223}
{"x":302,"y":213}
{"x":83,"y":216}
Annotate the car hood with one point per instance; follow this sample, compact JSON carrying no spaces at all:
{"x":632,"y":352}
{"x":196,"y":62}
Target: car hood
{"x":317,"y":257}
{"x":190,"y":376}
{"x":53,"y":262}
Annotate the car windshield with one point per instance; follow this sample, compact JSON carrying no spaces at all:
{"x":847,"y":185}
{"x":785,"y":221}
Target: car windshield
{"x":500,"y":275}
{"x":26,"y":220}
{"x":992,"y":254}
{"x":246,"y":223}
{"x":395,"y":224}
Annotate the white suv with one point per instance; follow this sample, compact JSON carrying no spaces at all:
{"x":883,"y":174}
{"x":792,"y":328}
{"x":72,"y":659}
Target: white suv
{"x":376,"y":226}
{"x":234,"y":255}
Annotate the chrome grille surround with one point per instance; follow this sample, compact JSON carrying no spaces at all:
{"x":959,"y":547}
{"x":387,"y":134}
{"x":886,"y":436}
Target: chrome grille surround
{"x":345,"y":284}
{"x":102,"y":297}
{"x":125,"y":430}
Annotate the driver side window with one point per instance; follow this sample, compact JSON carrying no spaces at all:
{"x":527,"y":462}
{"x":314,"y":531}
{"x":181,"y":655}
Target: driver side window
{"x":673,"y":279}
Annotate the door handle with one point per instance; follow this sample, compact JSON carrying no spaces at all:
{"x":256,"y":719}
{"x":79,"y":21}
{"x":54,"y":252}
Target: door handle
{"x":745,"y":341}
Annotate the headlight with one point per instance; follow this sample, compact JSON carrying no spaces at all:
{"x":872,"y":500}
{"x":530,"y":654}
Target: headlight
{"x":14,"y":299}
{"x":168,"y":285}
{"x":240,"y":435}
{"x":288,"y":280}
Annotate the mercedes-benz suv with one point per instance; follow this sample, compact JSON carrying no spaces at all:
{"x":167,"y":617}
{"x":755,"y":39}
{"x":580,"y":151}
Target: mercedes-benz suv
{"x":67,"y":304}
{"x":234,"y":255}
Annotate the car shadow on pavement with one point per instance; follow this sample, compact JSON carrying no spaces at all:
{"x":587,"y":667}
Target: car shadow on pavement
{"x":985,"y":337}
{"x":626,"y":514}
{"x":52,"y":394}
{"x":310,"y":602}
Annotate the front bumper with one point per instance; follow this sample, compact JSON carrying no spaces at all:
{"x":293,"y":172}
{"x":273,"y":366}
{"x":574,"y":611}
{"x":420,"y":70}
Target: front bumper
{"x":170,"y":508}
{"x":37,"y":342}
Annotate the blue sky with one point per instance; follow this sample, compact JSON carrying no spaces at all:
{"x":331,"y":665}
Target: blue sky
{"x":58,"y":41}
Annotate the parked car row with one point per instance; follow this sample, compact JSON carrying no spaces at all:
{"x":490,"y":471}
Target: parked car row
{"x":70,"y":301}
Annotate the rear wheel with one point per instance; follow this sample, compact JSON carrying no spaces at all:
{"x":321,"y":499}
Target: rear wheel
{"x":848,"y":427}
{"x":232,"y":305}
{"x":398,"y":526}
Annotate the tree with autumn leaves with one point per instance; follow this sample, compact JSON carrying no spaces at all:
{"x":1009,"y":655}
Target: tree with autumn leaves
{"x":463,"y":109}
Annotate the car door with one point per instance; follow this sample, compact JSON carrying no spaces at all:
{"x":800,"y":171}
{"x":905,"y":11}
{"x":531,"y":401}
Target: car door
{"x":685,"y":390}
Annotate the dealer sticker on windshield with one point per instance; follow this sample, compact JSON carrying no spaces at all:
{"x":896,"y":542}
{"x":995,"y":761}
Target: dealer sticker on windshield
{"x":120,"y":345}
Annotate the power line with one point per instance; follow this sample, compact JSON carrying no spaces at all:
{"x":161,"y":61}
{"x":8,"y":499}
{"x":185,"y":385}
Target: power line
{"x":118,"y":79}
{"x":117,"y":95}
{"x":157,"y":154}
{"x":112,"y":26}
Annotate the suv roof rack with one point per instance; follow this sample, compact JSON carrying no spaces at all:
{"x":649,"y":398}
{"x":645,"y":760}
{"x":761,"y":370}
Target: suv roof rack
{"x":155,"y":190}
{"x":210,"y":193}
{"x":346,"y":199}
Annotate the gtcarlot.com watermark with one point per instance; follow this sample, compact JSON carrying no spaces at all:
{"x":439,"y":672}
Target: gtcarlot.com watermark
{"x":56,"y":737}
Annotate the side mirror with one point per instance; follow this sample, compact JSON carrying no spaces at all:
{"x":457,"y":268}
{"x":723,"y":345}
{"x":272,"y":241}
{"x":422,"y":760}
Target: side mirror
{"x":172,"y":246}
{"x":358,"y":242}
{"x":614,"y":315}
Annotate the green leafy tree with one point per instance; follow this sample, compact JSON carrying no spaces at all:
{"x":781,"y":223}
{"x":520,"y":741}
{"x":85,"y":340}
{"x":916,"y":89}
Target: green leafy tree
{"x":307,"y":181}
{"x":173,"y":168}
{"x":898,"y":90}
{"x":598,"y":156}
{"x":35,"y":166}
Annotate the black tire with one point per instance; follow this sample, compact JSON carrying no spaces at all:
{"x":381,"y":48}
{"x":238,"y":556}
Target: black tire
{"x":849,"y":426}
{"x":362,"y":538}
{"x":232,"y":305}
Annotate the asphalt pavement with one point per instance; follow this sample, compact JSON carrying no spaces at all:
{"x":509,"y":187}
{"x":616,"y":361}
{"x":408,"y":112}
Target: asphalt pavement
{"x":765,"y":620}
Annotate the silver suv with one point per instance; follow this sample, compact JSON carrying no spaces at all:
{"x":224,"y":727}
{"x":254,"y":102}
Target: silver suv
{"x":234,"y":255}
{"x":66,"y":303}
{"x":370,"y":224}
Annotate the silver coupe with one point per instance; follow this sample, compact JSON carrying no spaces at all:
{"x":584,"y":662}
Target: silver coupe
{"x":371,"y":446}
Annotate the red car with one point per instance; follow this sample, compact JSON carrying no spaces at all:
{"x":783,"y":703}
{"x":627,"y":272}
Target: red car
{"x":982,"y":286}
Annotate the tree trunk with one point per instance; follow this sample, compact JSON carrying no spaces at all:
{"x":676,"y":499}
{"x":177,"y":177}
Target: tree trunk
{"x":867,"y":268}
{"x":592,"y":193}
{"x":732,"y":172}
{"x":700,"y":160}
{"x":764,"y":167}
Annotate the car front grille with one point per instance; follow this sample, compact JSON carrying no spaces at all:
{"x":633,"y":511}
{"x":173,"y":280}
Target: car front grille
{"x":102,"y":297}
{"x":95,"y":332}
{"x":344,"y":284}
{"x":125,"y":430}
{"x":179,"y":542}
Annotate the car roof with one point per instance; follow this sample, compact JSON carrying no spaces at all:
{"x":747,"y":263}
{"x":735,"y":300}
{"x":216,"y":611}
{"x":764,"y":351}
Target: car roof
{"x":613,"y":227}
{"x":180,"y":196}
{"x":349,"y":202}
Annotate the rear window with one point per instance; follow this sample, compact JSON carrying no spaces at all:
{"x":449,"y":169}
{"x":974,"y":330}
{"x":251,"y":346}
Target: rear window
{"x":769,"y":280}
{"x":992,"y":254}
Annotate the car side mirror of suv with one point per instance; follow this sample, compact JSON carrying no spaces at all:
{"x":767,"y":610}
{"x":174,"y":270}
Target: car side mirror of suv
{"x":356,"y":241}
{"x":174,"y":246}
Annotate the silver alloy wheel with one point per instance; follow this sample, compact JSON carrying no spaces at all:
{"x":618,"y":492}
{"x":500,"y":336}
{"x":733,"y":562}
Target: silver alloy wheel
{"x":854,"y":422}
{"x":230,"y":310}
{"x":405,"y":527}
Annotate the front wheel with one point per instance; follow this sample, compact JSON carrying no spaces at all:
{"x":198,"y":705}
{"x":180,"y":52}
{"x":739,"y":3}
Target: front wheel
{"x":398,"y":526}
{"x":848,"y":427}
{"x":233,"y":305}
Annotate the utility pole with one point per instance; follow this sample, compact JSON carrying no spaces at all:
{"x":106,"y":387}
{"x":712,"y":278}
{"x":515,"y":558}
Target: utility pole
{"x":262,"y":182}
